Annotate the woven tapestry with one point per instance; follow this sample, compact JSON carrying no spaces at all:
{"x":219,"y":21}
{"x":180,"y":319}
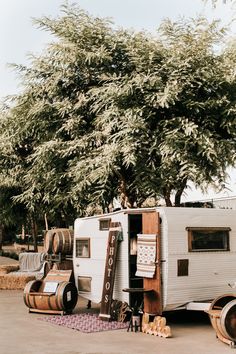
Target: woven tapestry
{"x":146,"y":255}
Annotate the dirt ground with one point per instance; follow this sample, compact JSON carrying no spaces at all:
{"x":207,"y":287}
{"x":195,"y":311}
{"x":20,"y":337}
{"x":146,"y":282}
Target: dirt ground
{"x":22,"y":332}
{"x":7,"y":261}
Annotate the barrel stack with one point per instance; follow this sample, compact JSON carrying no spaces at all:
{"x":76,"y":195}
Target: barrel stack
{"x":56,"y":293}
{"x":58,"y":244}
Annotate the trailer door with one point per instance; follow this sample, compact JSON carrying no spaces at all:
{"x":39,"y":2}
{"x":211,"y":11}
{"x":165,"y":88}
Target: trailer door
{"x":152,"y":300}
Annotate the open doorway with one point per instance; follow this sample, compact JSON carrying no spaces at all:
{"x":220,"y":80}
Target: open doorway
{"x":135,"y":227}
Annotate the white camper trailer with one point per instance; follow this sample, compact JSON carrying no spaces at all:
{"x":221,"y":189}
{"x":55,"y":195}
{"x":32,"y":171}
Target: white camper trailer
{"x":195,"y":255}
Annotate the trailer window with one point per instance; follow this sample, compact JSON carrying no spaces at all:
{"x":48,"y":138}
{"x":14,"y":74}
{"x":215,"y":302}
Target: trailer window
{"x":83,"y":247}
{"x":208,"y":239}
{"x":104,"y":224}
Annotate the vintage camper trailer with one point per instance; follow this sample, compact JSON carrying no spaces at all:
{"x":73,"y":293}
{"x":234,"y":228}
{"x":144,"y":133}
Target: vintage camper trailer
{"x":182,"y":256}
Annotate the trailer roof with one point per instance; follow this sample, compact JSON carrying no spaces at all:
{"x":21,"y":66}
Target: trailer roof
{"x":141,"y":210}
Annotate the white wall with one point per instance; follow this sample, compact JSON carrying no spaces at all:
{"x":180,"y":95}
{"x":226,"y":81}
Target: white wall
{"x":95,"y":265}
{"x":209,"y":272}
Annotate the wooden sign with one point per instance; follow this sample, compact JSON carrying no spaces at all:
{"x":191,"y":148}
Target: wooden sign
{"x":114,"y":239}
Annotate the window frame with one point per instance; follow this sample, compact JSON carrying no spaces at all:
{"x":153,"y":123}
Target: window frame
{"x":89,"y":247}
{"x":100,"y":224}
{"x":205,"y":229}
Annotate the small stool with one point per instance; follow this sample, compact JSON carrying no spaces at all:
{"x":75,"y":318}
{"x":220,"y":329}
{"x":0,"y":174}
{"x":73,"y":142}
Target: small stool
{"x":136,"y":312}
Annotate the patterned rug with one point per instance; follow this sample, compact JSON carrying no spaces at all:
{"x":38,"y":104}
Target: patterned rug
{"x":146,"y":255}
{"x":85,"y":322}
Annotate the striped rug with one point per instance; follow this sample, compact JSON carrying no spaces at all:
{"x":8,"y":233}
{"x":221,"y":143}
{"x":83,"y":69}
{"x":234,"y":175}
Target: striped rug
{"x":146,"y":255}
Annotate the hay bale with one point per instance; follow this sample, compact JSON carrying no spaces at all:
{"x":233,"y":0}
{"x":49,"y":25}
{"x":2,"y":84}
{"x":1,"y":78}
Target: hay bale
{"x":14,"y":282}
{"x":5,"y":269}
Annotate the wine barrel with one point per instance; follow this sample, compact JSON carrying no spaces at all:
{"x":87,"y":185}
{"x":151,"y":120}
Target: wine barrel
{"x":47,"y":267}
{"x":228,"y":320}
{"x":63,"y":241}
{"x":31,"y":287}
{"x":222,"y":314}
{"x":64,"y":299}
{"x":219,"y":302}
{"x":63,"y":265}
{"x":67,"y":295}
{"x":48,"y":238}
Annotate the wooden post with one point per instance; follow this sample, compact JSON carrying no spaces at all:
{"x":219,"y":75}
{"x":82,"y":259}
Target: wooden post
{"x":152,"y":300}
{"x":34,"y":234}
{"x":46,"y":221}
{"x":22,"y":232}
{"x":110,"y":267}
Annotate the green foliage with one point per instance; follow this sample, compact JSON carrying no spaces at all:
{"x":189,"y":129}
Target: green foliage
{"x":112,"y":113}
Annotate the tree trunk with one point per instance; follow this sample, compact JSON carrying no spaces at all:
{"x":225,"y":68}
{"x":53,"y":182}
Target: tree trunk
{"x":179,"y":194}
{"x":127,"y":197}
{"x":1,"y":236}
{"x":178,"y":197}
{"x":123,"y":197}
{"x":166,"y":195}
{"x":46,"y":222}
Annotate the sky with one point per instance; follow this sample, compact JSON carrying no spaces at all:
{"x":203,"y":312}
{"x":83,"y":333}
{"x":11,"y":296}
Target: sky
{"x":19,"y":36}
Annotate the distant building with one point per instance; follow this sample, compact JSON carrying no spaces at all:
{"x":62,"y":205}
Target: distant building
{"x":218,"y":203}
{"x":225,"y":203}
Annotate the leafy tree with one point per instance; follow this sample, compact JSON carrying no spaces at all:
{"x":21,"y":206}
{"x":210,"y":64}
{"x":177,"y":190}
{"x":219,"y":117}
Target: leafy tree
{"x":11,"y":214}
{"x":169,"y":121}
{"x":107,"y":113}
{"x":214,"y":2}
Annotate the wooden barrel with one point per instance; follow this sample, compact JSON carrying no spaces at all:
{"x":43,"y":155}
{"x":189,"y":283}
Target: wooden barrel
{"x":219,"y":302}
{"x":222,"y":314}
{"x":67,"y":264}
{"x":31,"y":287}
{"x":47,"y":267}
{"x":67,"y":295}
{"x":63,"y":241}
{"x":63,"y":265}
{"x":64,"y":299}
{"x":48,"y":239}
{"x":228,"y":320}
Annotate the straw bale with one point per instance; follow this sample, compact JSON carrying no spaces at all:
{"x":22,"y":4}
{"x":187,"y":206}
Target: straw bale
{"x":7,"y":268}
{"x":14,"y":282}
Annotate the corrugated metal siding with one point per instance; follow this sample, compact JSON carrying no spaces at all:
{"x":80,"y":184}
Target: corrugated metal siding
{"x":209,"y":272}
{"x":95,"y":265}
